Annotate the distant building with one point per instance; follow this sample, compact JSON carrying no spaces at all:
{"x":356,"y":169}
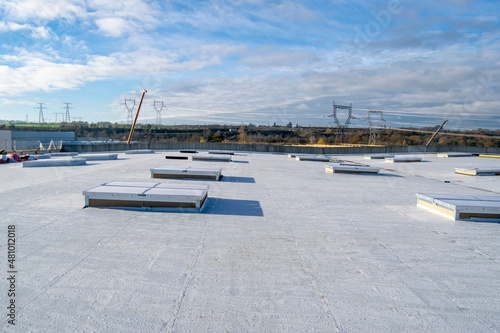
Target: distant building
{"x":23,"y":140}
{"x":5,"y":140}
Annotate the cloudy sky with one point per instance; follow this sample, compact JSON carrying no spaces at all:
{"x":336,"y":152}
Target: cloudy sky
{"x":253,"y":61}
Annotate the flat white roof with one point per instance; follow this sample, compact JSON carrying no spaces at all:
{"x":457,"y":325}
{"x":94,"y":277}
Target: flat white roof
{"x":295,"y":249}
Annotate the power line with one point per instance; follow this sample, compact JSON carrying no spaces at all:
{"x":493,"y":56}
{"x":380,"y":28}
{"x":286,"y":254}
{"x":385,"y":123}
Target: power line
{"x":442,"y":133}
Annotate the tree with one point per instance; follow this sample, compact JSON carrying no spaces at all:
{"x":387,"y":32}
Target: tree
{"x":242,"y":137}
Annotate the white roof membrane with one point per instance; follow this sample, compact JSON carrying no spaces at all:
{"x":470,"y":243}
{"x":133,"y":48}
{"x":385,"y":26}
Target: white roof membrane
{"x":282,"y":247}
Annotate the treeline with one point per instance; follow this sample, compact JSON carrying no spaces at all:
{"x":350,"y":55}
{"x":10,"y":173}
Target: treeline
{"x":250,"y":133}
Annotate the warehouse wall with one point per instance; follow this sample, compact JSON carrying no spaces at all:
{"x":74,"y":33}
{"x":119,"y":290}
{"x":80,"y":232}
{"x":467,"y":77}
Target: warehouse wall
{"x":5,"y":140}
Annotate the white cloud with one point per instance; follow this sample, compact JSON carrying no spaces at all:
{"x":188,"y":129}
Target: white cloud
{"x":113,"y":26}
{"x":42,"y":11}
{"x":37,"y":32}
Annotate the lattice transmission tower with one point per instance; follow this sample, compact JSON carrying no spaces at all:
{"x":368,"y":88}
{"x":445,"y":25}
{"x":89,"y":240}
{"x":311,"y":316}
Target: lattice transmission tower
{"x":374,"y":129}
{"x":67,"y":118}
{"x":130,"y":109}
{"x":40,"y":113}
{"x":342,"y":126}
{"x":158,"y":106}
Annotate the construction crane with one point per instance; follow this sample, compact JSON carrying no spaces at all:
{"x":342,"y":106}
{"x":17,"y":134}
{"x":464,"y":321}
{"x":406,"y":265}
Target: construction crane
{"x":436,"y":133}
{"x":136,"y":115}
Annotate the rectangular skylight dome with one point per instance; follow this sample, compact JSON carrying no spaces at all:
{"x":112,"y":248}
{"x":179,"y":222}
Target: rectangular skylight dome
{"x":221,"y":152}
{"x":403,"y":159}
{"x":446,"y":155}
{"x":312,"y":158}
{"x":219,"y":158}
{"x":350,"y":168}
{"x":99,"y":157}
{"x":378,"y":156}
{"x":478,"y":171}
{"x":461,"y":207}
{"x":140,"y":194}
{"x":186,"y":172}
{"x":140,"y":151}
{"x":55,"y":162}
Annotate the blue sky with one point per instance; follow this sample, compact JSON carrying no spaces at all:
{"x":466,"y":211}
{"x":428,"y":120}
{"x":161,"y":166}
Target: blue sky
{"x":260,"y":62}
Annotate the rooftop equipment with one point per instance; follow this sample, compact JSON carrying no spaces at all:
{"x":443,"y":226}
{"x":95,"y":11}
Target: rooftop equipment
{"x":55,"y":162}
{"x":186,"y":172}
{"x":141,"y":194}
{"x":99,"y":157}
{"x":403,"y":159}
{"x":175,"y":157}
{"x":350,"y":168}
{"x":461,"y":207}
{"x":140,"y":151}
{"x":312,"y":158}
{"x":216,"y":158}
{"x":378,"y":156}
{"x":446,"y":155}
{"x":478,"y":171}
{"x":221,"y":152}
